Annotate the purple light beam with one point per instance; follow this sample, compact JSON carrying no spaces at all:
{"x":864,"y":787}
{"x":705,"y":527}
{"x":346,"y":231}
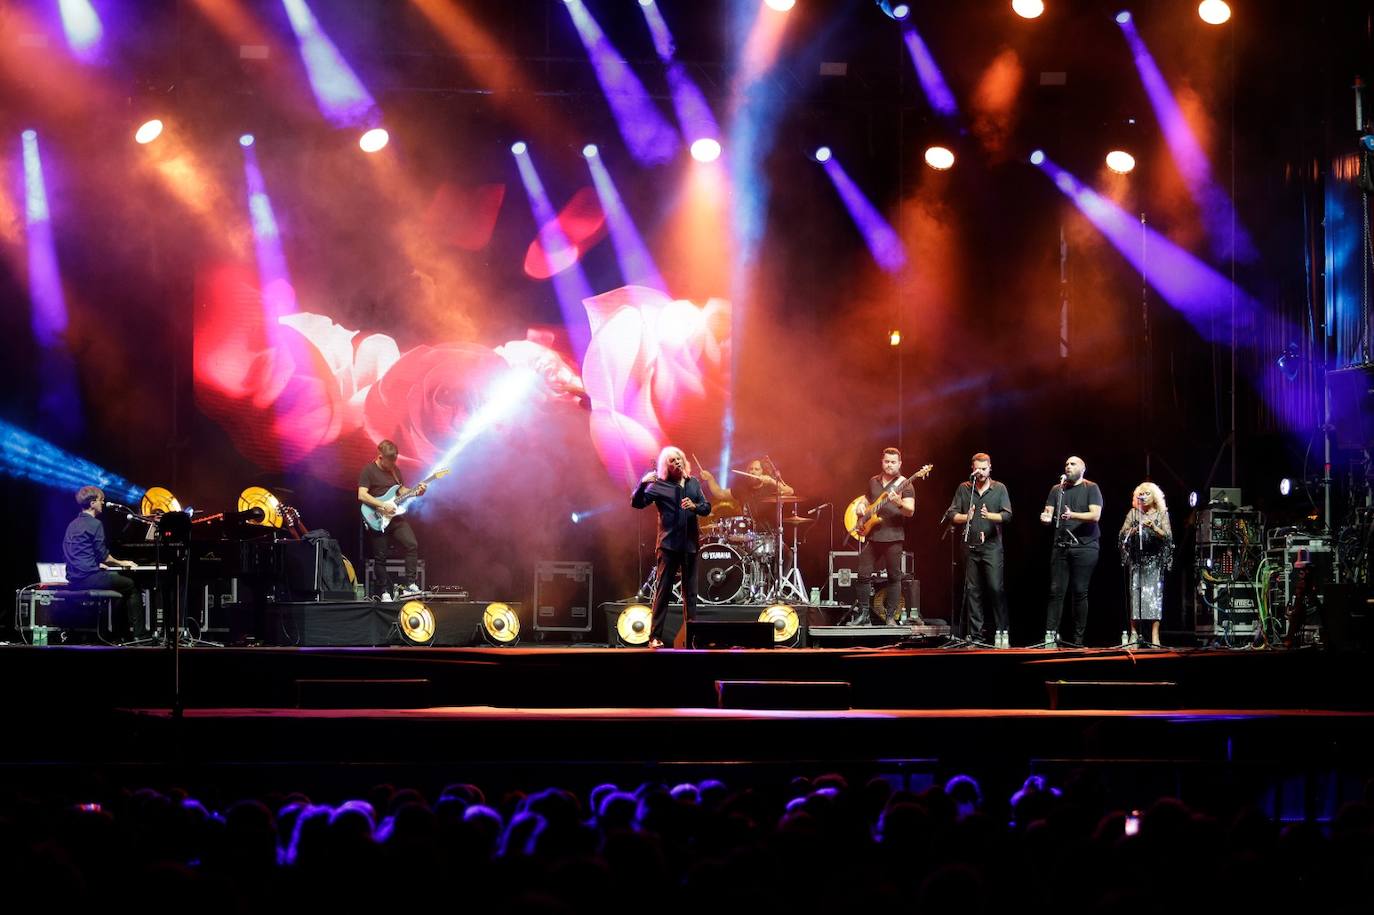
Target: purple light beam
{"x":647,"y":133}
{"x":1226,"y":235}
{"x":882,"y":240}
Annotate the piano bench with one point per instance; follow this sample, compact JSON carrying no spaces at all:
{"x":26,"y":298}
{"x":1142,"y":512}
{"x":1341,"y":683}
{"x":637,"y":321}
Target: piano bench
{"x":77,"y":609}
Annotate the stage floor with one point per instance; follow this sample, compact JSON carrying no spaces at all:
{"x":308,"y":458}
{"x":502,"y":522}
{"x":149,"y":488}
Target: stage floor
{"x":347,"y":716}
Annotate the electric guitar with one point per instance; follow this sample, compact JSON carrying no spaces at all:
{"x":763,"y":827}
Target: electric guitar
{"x":859,"y":524}
{"x":378,"y":520}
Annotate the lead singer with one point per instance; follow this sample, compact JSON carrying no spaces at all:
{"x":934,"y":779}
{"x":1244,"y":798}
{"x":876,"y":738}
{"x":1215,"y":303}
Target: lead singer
{"x":675,"y":492}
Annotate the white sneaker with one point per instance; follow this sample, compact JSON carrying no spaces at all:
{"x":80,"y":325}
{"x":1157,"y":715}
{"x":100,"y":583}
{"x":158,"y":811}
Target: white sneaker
{"x":410,"y":589}
{"x":386,"y":597}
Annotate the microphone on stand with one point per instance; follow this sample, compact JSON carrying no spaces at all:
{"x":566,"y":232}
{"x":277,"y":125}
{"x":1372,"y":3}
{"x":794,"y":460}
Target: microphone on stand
{"x":818,"y":508}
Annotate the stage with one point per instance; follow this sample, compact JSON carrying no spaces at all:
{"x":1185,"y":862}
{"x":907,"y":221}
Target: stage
{"x":344,"y":716}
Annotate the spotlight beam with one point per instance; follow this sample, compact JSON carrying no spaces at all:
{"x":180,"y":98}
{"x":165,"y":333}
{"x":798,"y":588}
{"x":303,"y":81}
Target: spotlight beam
{"x":647,"y":134}
{"x":1190,"y":286}
{"x":342,"y":98}
{"x":637,"y":265}
{"x":928,"y":73}
{"x":882,"y":240}
{"x":570,"y":284}
{"x":25,"y":456}
{"x":1224,"y":231}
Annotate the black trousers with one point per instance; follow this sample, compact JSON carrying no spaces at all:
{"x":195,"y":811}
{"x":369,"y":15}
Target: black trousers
{"x":131,"y":606}
{"x":888,"y":553}
{"x":982,"y":589}
{"x":399,"y":533}
{"x":1071,"y":570}
{"x":670,"y":563}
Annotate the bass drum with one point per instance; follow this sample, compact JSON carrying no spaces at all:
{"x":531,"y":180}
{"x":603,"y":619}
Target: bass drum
{"x":722,"y":573}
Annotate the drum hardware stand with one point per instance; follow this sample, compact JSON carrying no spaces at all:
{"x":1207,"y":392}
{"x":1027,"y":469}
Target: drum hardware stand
{"x":792,"y":583}
{"x":783,"y":584}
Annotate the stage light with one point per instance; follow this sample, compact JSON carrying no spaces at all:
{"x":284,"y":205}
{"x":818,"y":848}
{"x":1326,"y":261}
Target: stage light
{"x":245,"y":140}
{"x":897,"y":11}
{"x":519,"y":147}
{"x":148,"y":131}
{"x":1121,"y":162}
{"x":1290,"y":362}
{"x":1214,"y":12}
{"x":939,"y":158}
{"x":257,"y":497}
{"x":575,"y":517}
{"x":634,"y":625}
{"x":1028,"y":9}
{"x":1123,"y":17}
{"x":589,"y":151}
{"x":500,"y":624}
{"x":822,"y":154}
{"x":1037,"y":156}
{"x":415,"y":622}
{"x":158,"y":500}
{"x":1192,"y":499}
{"x":374,"y":140}
{"x":784,"y":621}
{"x":894,"y":337}
{"x":1285,"y":486}
{"x":706,"y":149}
{"x":781,"y":6}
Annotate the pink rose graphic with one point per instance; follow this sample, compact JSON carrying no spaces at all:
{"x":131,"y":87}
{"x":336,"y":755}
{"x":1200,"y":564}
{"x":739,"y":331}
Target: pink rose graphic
{"x":657,"y":370}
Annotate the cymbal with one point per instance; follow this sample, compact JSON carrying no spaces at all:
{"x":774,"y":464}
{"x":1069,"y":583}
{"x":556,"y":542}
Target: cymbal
{"x":785,"y":500}
{"x":798,"y":520}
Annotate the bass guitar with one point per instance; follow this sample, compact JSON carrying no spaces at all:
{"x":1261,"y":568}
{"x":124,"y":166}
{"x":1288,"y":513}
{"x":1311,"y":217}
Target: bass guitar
{"x":378,"y":520}
{"x":859,"y":523}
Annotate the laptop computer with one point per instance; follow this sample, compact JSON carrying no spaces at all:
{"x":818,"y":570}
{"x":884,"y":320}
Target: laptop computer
{"x":52,"y":574}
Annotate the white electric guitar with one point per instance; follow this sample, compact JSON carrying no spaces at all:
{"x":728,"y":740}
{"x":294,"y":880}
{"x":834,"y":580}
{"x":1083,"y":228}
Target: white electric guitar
{"x":378,"y":520}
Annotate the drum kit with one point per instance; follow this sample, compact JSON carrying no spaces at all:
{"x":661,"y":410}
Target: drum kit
{"x":743,"y":554}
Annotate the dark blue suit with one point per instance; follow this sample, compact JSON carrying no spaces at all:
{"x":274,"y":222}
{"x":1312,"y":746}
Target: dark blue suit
{"x":677,"y":545}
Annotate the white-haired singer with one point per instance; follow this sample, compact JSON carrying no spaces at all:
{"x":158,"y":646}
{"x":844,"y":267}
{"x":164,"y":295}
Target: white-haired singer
{"x":678,"y":497}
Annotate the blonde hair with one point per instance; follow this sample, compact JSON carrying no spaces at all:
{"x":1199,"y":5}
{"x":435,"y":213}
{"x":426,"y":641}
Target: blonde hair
{"x":1158,"y":503}
{"x":665,"y":455}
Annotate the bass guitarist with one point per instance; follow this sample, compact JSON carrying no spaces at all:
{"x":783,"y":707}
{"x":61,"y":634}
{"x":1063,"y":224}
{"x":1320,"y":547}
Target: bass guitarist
{"x":379,"y":476}
{"x":884,"y":543}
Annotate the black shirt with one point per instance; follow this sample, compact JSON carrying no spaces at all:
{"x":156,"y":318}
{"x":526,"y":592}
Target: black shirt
{"x":995,"y":499}
{"x":377,"y":480}
{"x":83,"y":547}
{"x":892,"y":523}
{"x":1076,"y":499}
{"x":677,"y":527}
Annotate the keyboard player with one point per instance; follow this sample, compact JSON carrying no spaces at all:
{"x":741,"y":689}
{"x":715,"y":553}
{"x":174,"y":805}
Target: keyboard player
{"x":89,"y":561}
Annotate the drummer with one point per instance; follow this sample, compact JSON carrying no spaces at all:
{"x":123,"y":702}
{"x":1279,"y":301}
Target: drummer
{"x":748,"y":489}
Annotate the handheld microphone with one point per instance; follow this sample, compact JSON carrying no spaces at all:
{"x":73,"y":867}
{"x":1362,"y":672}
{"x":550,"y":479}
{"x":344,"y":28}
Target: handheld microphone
{"x":1063,"y":477}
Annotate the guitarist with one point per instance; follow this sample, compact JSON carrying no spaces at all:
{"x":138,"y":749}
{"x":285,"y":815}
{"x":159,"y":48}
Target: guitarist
{"x":884,"y":543}
{"x":679,"y":500}
{"x":377,"y":477}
